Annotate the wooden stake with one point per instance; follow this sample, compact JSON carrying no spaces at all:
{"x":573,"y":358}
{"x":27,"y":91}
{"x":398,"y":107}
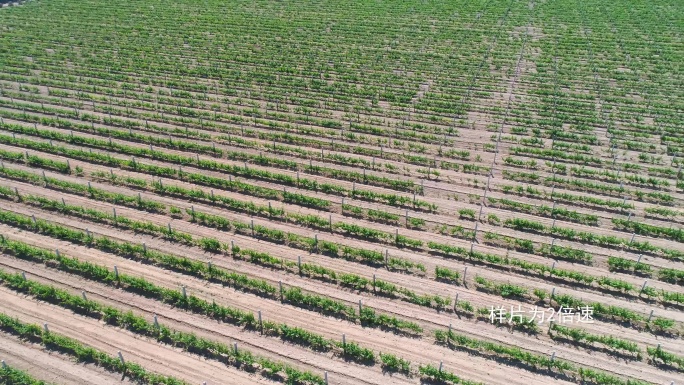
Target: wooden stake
{"x":261,"y":324}
{"x":280,"y":286}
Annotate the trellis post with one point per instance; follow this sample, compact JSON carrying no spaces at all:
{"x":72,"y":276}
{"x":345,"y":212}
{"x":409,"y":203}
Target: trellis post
{"x":261,"y":324}
{"x":280,"y":287}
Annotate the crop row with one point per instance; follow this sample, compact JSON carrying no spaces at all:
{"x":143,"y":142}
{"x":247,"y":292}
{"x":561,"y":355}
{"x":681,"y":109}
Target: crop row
{"x":546,"y":211}
{"x":178,"y":299}
{"x":169,"y":111}
{"x":293,"y":240}
{"x":590,"y":186}
{"x":81,"y":353}
{"x":214,"y":273}
{"x":657,"y":355}
{"x":211,"y":150}
{"x":239,"y":281}
{"x":307,"y":220}
{"x":9,"y":375}
{"x":567,"y":276}
{"x":550,"y":251}
{"x":311,"y":244}
{"x":244,"y":171}
{"x":210,"y":349}
{"x":580,"y":336}
{"x":649,"y":230}
{"x":241,"y":358}
{"x":591,"y":238}
{"x":585,"y":200}
{"x":531,"y":361}
{"x":606,"y":313}
{"x":271,"y":213}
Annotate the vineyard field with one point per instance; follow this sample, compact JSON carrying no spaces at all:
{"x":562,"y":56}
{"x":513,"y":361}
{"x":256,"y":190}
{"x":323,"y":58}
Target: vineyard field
{"x":349,"y":193}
